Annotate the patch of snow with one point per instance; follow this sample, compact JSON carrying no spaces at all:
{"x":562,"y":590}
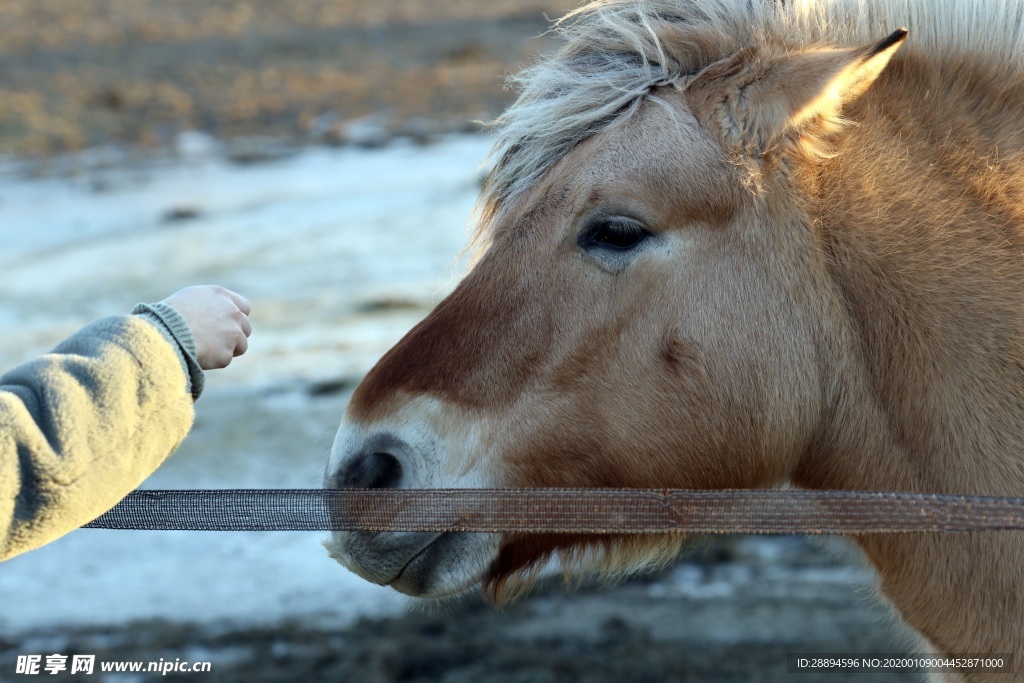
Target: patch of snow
{"x":322,"y":243}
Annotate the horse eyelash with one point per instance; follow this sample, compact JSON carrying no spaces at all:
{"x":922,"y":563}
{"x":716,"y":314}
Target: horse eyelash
{"x":588,"y":238}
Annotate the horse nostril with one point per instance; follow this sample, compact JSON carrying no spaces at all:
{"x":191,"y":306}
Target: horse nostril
{"x":371,"y":471}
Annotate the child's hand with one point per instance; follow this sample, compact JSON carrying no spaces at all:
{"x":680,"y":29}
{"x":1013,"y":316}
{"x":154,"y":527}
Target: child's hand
{"x":219,"y":321}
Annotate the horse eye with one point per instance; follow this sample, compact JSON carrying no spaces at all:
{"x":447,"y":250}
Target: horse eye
{"x":617,"y":235}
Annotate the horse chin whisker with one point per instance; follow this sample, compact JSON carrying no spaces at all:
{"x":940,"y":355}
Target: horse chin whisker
{"x":333,"y":549}
{"x":619,"y":558}
{"x":581,"y":559}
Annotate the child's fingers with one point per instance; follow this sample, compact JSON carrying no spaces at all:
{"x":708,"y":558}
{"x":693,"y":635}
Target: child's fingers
{"x":243,"y":304}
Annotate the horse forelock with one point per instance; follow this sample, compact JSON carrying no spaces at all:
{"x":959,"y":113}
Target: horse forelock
{"x":617,"y":52}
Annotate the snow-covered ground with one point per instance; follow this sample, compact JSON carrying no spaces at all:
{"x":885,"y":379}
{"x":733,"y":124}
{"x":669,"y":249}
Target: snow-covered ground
{"x":340,"y":252}
{"x":314,"y":241}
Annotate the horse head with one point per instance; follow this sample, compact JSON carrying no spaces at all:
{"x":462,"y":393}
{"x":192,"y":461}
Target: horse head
{"x":650,"y":305}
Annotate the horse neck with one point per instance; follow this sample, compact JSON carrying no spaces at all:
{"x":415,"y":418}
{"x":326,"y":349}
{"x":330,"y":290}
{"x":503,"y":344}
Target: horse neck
{"x":921,"y":217}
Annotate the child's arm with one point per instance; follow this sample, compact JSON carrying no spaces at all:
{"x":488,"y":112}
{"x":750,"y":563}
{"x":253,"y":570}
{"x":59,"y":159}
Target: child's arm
{"x":84,"y":425}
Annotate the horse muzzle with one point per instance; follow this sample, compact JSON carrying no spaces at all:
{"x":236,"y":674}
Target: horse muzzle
{"x":421,"y":564}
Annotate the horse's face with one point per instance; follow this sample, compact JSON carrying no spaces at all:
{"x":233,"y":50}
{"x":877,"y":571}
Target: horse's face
{"x":639,"y":319}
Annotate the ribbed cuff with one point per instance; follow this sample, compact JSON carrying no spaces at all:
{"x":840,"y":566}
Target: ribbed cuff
{"x":174,"y":327}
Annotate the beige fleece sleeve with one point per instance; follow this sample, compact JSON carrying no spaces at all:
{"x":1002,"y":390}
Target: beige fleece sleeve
{"x":84,"y":425}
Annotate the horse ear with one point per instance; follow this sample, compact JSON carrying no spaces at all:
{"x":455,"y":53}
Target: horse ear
{"x":762,"y":103}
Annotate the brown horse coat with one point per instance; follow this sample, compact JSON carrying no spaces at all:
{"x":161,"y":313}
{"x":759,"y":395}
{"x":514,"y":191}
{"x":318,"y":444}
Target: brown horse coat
{"x":732,"y":244}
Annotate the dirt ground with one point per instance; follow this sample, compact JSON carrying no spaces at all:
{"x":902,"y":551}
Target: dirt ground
{"x":107,"y":72}
{"x":652,"y":630}
{"x":75,"y":75}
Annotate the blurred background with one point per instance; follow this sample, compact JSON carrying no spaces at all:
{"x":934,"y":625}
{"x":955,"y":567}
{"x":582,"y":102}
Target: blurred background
{"x":322,"y":158}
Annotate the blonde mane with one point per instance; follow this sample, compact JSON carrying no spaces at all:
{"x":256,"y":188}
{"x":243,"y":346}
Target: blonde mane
{"x":617,"y":52}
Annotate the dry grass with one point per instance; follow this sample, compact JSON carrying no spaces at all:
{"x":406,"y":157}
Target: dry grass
{"x":76,"y":74}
